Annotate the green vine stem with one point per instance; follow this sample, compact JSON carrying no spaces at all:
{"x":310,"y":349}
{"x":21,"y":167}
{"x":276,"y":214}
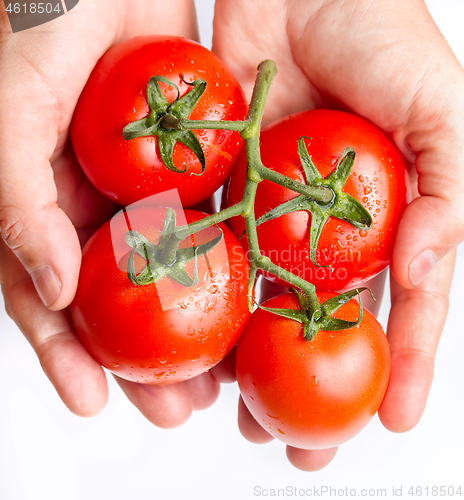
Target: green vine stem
{"x":256,"y":172}
{"x":175,"y":121}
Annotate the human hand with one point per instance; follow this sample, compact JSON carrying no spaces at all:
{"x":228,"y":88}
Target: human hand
{"x":48,"y":208}
{"x":390,"y":64}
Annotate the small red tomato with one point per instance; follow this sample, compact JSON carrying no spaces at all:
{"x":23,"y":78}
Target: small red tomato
{"x":312,"y":394}
{"x":162,"y":332}
{"x":346,"y":255}
{"x":116,"y":95}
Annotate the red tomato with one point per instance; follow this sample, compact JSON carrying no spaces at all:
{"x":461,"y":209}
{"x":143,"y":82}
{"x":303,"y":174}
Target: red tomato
{"x":377,"y":180}
{"x":312,"y":394}
{"x":162,"y":332}
{"x":115,"y":95}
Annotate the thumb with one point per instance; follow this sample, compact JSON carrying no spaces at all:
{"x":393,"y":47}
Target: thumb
{"x":31,"y":223}
{"x":433,"y":222}
{"x":44,"y":240}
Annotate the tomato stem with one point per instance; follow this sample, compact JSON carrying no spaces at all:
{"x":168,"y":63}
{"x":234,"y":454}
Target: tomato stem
{"x":256,"y":172}
{"x":183,"y":231}
{"x":172,"y":118}
{"x":320,"y":194}
{"x":171,"y":122}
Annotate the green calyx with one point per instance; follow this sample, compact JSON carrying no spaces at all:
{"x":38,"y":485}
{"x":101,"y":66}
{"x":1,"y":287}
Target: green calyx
{"x":165,"y":259}
{"x":321,"y":318}
{"x":342,"y":206}
{"x":163,"y":114}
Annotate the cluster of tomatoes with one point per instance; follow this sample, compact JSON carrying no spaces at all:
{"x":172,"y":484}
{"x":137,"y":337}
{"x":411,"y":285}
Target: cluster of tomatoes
{"x":155,"y":310}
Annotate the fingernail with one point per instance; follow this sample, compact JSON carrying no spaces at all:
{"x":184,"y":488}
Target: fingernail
{"x":421,"y":265}
{"x":47,"y":284}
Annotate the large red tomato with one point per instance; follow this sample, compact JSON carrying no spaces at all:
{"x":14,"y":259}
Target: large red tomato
{"x":116,"y":95}
{"x":377,"y":180}
{"x":312,"y":394}
{"x":163,"y":332}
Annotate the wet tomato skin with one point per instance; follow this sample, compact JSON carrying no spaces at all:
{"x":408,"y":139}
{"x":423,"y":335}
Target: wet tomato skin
{"x":378,"y":180}
{"x":312,"y":394}
{"x":162,"y":332}
{"x":115,"y":95}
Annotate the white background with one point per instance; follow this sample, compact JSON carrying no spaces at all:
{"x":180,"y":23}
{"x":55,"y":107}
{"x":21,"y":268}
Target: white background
{"x":48,"y":453}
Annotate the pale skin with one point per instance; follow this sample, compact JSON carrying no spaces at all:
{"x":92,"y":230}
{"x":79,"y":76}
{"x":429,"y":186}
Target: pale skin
{"x":367,"y":56}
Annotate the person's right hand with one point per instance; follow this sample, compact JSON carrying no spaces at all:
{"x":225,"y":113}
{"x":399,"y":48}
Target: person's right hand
{"x":47,"y":206}
{"x":388,"y":62}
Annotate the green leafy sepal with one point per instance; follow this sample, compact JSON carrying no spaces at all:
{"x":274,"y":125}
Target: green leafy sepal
{"x":342,"y":206}
{"x":320,"y":319}
{"x":160,"y":109}
{"x":165,"y":259}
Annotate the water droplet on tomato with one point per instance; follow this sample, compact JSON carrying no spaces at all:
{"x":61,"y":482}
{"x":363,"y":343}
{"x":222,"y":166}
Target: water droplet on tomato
{"x":339,"y":244}
{"x":271,"y":416}
{"x":367,"y":189}
{"x":361,"y":178}
{"x":314,"y":381}
{"x":115,"y":364}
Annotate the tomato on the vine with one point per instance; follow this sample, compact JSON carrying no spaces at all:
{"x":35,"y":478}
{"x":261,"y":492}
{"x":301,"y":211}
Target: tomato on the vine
{"x":116,"y":95}
{"x":312,"y":394}
{"x":165,"y":331}
{"x":345,"y":255}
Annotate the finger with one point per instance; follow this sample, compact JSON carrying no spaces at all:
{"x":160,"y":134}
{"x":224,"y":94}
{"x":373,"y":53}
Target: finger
{"x":248,"y":426}
{"x":307,"y":460}
{"x":310,"y":460}
{"x":416,"y":321}
{"x":177,"y":17}
{"x":165,"y":406}
{"x":204,"y":390}
{"x":242,"y":47}
{"x":433,"y":223}
{"x":31,"y":223}
{"x":78,"y":379}
{"x":224,"y":372}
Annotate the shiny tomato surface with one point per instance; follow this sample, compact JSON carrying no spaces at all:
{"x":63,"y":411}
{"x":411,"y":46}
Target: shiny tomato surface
{"x":115,"y":95}
{"x":312,"y":394}
{"x":162,"y":332}
{"x":377,"y":180}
